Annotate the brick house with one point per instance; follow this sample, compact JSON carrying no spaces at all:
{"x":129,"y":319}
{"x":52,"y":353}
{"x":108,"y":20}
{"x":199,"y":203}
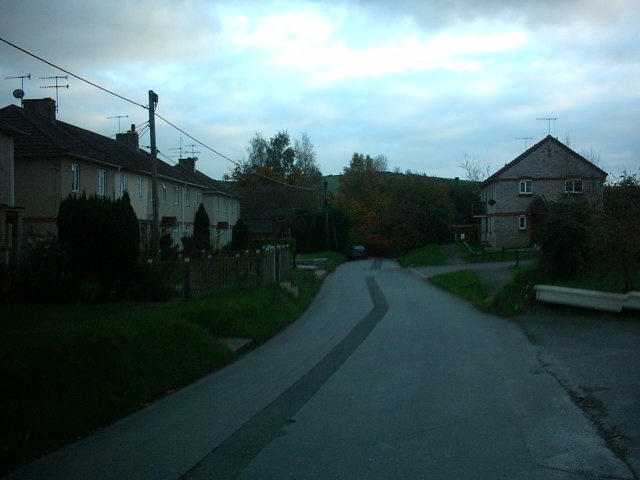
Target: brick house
{"x":513,"y":198}
{"x":55,"y":159}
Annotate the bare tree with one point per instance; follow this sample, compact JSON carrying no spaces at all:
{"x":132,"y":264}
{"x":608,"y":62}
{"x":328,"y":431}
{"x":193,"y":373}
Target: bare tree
{"x":475,"y":171}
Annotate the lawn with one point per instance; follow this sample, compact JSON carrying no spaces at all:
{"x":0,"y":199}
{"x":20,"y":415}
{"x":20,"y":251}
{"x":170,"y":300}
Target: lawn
{"x":67,"y":370}
{"x":427,"y":255}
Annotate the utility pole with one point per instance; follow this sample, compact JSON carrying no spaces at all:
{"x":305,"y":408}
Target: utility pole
{"x":326,"y":217}
{"x":155,"y":222}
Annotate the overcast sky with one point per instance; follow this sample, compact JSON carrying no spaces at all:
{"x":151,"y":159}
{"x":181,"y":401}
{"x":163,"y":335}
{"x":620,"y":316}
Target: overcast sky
{"x":423,"y":82}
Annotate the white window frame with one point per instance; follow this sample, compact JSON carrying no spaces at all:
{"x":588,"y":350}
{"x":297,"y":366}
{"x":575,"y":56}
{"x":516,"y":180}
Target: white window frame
{"x":187,"y":197}
{"x":522,"y":222}
{"x":140,"y":187}
{"x":75,"y":177}
{"x":163,"y":188}
{"x":570,"y":186}
{"x":123,"y":184}
{"x":101,"y":183}
{"x":526,"y":187}
{"x":176,"y":195}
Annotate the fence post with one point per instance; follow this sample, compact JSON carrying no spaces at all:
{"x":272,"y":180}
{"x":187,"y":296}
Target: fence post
{"x":187,"y":279}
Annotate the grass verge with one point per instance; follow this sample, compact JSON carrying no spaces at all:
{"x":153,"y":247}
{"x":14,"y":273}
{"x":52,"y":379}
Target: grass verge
{"x":66,"y":371}
{"x":333,"y":259}
{"x":427,"y":255}
{"x":464,"y":283}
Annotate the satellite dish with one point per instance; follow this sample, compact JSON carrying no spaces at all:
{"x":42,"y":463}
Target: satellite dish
{"x":18,"y":93}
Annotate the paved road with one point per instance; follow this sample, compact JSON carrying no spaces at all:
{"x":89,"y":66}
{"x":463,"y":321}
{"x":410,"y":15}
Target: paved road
{"x":383,"y":377}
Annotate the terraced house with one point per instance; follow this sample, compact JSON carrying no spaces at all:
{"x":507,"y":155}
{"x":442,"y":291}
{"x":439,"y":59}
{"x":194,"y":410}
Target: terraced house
{"x":514,"y":198}
{"x":53,"y":159}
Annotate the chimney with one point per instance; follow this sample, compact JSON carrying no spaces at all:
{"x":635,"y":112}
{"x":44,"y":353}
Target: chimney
{"x":189,"y":163}
{"x":42,"y":106}
{"x":130,"y":138}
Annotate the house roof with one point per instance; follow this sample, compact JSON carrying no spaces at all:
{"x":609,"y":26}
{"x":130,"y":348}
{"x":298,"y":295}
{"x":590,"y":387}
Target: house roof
{"x":56,"y":138}
{"x":11,"y":131}
{"x":215,"y":186}
{"x":529,"y":151}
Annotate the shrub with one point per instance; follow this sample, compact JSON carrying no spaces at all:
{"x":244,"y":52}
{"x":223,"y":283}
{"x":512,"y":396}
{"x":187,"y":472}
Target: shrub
{"x":44,"y":273}
{"x":565,"y":238}
{"x":201,"y":231}
{"x":101,"y":238}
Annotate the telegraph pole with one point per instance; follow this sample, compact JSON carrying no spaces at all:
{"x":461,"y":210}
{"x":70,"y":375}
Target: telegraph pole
{"x":155,"y":222}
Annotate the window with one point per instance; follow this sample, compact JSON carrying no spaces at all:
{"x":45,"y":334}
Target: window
{"x":163,"y":189}
{"x":139,"y":189}
{"x":573,"y":186}
{"x":123,"y":184}
{"x":101,"y":187}
{"x":176,"y":195}
{"x":75,"y":177}
{"x":526,"y":187}
{"x":522,"y":222}
{"x":187,"y":196}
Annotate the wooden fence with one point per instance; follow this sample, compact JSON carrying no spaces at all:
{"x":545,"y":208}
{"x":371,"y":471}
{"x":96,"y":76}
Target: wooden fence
{"x":205,"y":276}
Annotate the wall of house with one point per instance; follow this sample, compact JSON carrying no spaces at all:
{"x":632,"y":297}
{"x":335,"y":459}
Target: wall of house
{"x":6,"y":170}
{"x":41,"y":184}
{"x":38,"y":188}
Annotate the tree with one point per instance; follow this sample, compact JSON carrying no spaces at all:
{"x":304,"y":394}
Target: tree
{"x":306,"y":171}
{"x":615,"y":241}
{"x":277,"y":161}
{"x":201,"y":229}
{"x":240,"y":235}
{"x":101,"y":238}
{"x":476,"y":172}
{"x":565,"y":237}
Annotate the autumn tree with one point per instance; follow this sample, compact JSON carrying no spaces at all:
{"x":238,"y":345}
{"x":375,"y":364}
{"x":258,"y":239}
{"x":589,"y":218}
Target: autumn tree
{"x":364,"y":195}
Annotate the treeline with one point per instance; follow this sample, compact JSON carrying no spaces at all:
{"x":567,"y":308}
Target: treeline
{"x":393,"y":212}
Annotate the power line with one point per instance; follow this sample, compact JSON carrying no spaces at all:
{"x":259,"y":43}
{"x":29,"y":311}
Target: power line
{"x":237,"y":164}
{"x":71,"y":73}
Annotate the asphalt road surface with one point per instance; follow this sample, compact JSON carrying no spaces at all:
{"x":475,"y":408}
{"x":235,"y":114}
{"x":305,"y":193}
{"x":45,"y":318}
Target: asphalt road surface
{"x":383,"y":377}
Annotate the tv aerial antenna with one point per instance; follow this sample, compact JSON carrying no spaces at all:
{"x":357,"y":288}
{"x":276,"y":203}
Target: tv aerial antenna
{"x":56,"y":86}
{"x":118,"y":117}
{"x":181,"y":149}
{"x":525,"y":140}
{"x":19,"y":92}
{"x":548,"y":120}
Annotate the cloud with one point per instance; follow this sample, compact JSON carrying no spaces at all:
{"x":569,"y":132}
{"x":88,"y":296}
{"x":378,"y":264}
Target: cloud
{"x":421,"y":82}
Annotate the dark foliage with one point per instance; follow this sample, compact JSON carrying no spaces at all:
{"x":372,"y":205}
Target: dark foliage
{"x":101,"y":238}
{"x":565,"y":237}
{"x":201,"y":230}
{"x":44,"y":274}
{"x":309,"y":228}
{"x":240,"y":235}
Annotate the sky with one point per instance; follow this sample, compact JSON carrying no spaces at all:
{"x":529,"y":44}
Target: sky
{"x":427,"y":83}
